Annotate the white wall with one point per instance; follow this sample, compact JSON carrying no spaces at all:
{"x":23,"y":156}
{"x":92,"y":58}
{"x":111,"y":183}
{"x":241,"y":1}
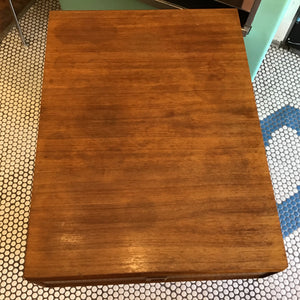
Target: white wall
{"x":286,"y":22}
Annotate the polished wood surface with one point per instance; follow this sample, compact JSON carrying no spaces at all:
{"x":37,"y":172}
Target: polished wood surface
{"x":150,"y":161}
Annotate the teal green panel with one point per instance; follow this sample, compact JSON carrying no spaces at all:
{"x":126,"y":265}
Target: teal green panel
{"x":264,"y":27}
{"x":103,"y":5}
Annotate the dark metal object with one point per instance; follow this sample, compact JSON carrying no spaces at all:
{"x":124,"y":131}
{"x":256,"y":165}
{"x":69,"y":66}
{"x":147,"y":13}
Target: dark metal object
{"x":247,"y":8}
{"x":292,"y":38}
{"x":17,"y":23}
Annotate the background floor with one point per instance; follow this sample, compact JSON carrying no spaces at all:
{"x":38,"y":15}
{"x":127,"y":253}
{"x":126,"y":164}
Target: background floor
{"x":277,"y":91}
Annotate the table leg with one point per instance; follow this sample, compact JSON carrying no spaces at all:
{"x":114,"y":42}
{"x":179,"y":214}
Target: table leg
{"x":17,"y":23}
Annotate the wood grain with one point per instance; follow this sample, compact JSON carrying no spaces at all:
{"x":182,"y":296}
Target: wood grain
{"x":150,"y":162}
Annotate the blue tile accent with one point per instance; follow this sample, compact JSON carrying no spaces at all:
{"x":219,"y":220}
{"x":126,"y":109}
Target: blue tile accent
{"x":289,"y":210}
{"x":287,"y":115}
{"x":289,"y":214}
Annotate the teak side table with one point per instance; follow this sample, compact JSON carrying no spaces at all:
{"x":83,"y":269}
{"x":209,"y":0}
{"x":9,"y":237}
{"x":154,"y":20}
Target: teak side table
{"x":150,"y":162}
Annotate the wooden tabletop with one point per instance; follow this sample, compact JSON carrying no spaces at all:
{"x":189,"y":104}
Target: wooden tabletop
{"x":150,"y":161}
